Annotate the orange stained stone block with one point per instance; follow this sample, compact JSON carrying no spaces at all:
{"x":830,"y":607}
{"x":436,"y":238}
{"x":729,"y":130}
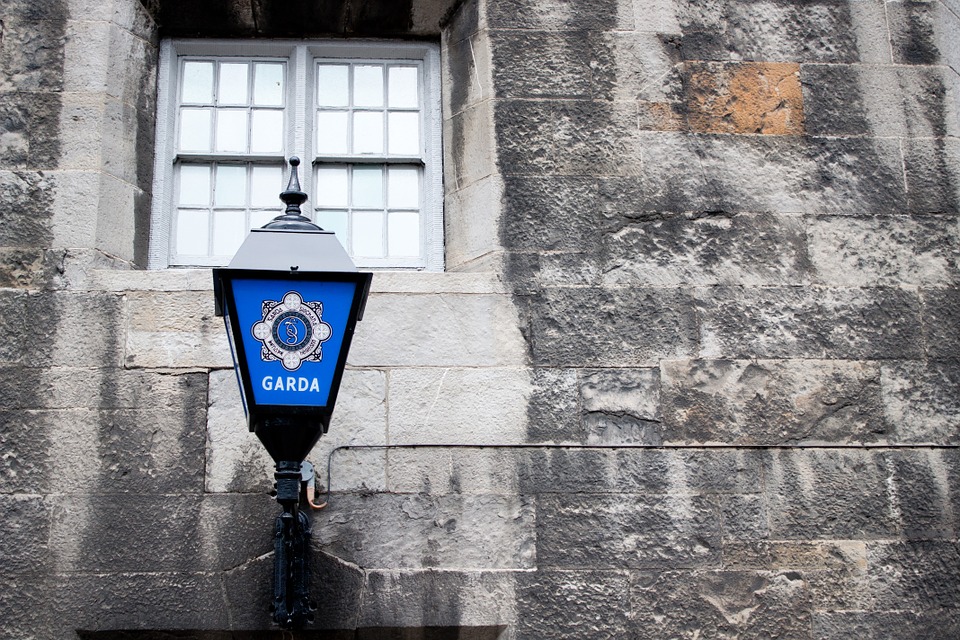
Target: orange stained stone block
{"x":744,"y":97}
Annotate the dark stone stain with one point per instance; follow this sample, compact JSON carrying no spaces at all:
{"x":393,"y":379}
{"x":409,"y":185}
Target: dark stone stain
{"x":918,"y":45}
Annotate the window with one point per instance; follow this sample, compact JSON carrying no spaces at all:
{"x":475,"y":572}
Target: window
{"x":365,"y":117}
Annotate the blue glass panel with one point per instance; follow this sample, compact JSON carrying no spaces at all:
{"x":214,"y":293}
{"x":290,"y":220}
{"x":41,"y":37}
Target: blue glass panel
{"x":292,"y":333}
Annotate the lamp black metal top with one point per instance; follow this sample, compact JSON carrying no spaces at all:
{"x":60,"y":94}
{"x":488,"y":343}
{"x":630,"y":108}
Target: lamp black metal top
{"x":292,"y":219}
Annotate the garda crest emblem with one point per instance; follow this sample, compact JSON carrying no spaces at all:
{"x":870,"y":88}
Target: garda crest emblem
{"x":292,"y":331}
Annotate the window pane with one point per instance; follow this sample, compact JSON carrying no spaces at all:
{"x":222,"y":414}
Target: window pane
{"x":229,"y":230}
{"x":192,"y":232}
{"x":231,"y":130}
{"x":403,"y":87}
{"x":404,"y":133}
{"x":265,"y":187}
{"x":268,"y":84}
{"x":332,"y":132}
{"x":333,"y":85}
{"x":197,"y":82}
{"x":233,"y":83}
{"x":368,"y":132}
{"x":231,"y":186}
{"x":403,"y":188}
{"x":194,"y":185}
{"x":331,"y":188}
{"x":335,"y":221}
{"x":403,"y":233}
{"x":368,"y":85}
{"x":368,"y":234}
{"x":267,"y":133}
{"x":368,"y":187}
{"x":195,"y":130}
{"x":259,"y":218}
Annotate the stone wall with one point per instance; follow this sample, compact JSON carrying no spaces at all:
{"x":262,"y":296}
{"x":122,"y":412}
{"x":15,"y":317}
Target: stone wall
{"x":693,"y":371}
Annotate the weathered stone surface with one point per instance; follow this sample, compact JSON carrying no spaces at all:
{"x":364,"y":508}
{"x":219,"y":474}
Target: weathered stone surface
{"x":560,"y":15}
{"x":914,"y":575}
{"x":743,"y":249}
{"x":618,"y":327}
{"x":32,"y":49}
{"x":562,"y":68}
{"x":565,"y":604}
{"x":621,"y":406}
{"x":744,"y":97}
{"x":933,"y":179}
{"x":716,"y":604}
{"x":788,"y":174}
{"x":637,"y":66}
{"x":923,"y":33}
{"x":62,"y":329}
{"x":235,"y":529}
{"x":441,"y":471}
{"x":474,"y":406}
{"x":174,"y":329}
{"x":815,"y":323}
{"x":470,"y":154}
{"x":424,"y":599}
{"x":393,"y":532}
{"x":552,"y":414}
{"x":24,"y":545}
{"x":941,"y":624}
{"x":26,"y":196}
{"x":418,"y":331}
{"x":567,"y":137}
{"x":772,"y":402}
{"x":472,"y":232}
{"x":884,"y":251}
{"x":941,"y":316}
{"x":686,"y":472}
{"x":829,"y":494}
{"x":779,"y":31}
{"x":550,"y":213}
{"x":878,"y":101}
{"x":592,"y":531}
{"x":920,"y":401}
{"x":25,"y":602}
{"x":921,"y":495}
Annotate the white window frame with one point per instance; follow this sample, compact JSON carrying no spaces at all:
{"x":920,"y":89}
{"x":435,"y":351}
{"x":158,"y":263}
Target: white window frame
{"x":299,"y":135}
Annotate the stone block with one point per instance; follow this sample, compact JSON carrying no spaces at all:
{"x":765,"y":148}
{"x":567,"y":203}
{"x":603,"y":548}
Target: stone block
{"x":913,"y":575}
{"x":686,"y":472}
{"x":550,"y":213}
{"x":359,"y":469}
{"x":632,"y":327}
{"x":816,"y":323}
{"x":26,"y":198}
{"x":933,"y":179}
{"x":780,"y":31}
{"x":560,"y":15}
{"x":26,"y":605}
{"x":234,"y":530}
{"x":72,"y":208}
{"x":763,"y":402}
{"x":941,"y":624}
{"x":110,"y":533}
{"x":884,"y":251}
{"x":593,"y":531}
{"x":470,"y":155}
{"x":425,"y":599}
{"x":878,"y":101}
{"x":567,"y":137}
{"x":26,"y":439}
{"x":561,"y":69}
{"x":88,"y":40}
{"x":81,"y":125}
{"x":32,"y":51}
{"x":629,"y":66}
{"x":657,"y":16}
{"x":921,"y":494}
{"x":30,"y":268}
{"x":920,"y":401}
{"x":443,"y":471}
{"x":829,"y":494}
{"x":717,"y":604}
{"x":743,"y":517}
{"x":175,"y":329}
{"x":572,"y":604}
{"x":396,"y":532}
{"x":941,"y":316}
{"x":472,"y":223}
{"x":744,"y":97}
{"x":25,"y":544}
{"x":787,"y":174}
{"x":621,"y":406}
{"x":924,"y":33}
{"x":118,"y":600}
{"x":744,"y":249}
{"x":462,"y":406}
{"x":446,"y":330}
{"x":562,"y":470}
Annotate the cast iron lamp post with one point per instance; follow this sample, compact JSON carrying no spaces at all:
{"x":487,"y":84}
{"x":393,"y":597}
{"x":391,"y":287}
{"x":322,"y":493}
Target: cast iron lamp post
{"x":291,"y":298}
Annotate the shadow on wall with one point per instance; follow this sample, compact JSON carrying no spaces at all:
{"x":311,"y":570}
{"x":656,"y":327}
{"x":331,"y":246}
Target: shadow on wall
{"x":372,"y":633}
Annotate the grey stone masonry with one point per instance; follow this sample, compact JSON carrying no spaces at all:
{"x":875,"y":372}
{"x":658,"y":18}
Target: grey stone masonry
{"x":693,"y":370}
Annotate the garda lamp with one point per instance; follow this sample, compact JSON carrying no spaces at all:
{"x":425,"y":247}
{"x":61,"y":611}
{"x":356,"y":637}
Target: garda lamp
{"x":290,"y":299}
